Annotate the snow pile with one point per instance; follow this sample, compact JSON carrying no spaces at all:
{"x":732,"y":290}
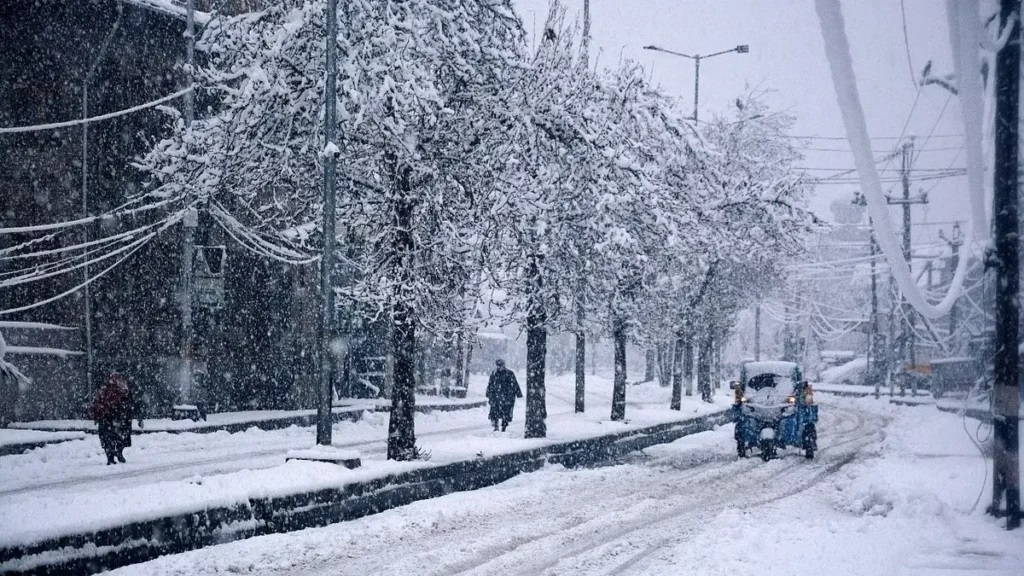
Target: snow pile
{"x":323,"y":453}
{"x":843,"y":372}
{"x":11,"y":436}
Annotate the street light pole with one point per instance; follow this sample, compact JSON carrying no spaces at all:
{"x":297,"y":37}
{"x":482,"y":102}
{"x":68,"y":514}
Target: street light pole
{"x":741,"y":49}
{"x":696,"y":85}
{"x":86,"y":290}
{"x":331,"y":151}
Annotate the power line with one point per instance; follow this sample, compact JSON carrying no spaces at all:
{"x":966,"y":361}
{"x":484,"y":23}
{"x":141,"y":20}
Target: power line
{"x":906,"y":43}
{"x":872,"y":137}
{"x":877,"y":151}
{"x":947,"y":169}
{"x":80,"y":121}
{"x":934,"y":126}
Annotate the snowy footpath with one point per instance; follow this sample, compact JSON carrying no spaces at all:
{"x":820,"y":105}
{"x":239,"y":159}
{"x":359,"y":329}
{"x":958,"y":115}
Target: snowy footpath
{"x":67,"y":488}
{"x":894,"y":490}
{"x":241,"y":420}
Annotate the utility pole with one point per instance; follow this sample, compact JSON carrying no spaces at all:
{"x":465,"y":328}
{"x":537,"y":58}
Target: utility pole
{"x":190,"y":37}
{"x":581,"y":336}
{"x":331,"y":151}
{"x":908,"y":339}
{"x":873,"y":356}
{"x":1006,"y":392}
{"x":872,"y":368}
{"x":696,"y":85}
{"x":191,"y":222}
{"x":586,"y":34}
{"x":907,"y":348}
{"x":86,"y":289}
{"x":955,"y":241}
{"x":757,"y":332}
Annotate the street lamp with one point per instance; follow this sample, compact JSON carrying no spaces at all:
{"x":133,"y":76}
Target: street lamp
{"x":741,"y":49}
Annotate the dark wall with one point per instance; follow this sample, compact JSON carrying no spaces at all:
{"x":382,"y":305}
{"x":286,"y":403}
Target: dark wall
{"x":258,"y":350}
{"x":49,"y":47}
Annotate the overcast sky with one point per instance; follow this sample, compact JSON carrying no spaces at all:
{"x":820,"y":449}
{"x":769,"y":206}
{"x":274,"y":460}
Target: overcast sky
{"x":787,"y":59}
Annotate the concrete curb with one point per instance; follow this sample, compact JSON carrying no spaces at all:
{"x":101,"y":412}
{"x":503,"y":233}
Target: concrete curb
{"x":141,"y":541}
{"x":22,"y":447}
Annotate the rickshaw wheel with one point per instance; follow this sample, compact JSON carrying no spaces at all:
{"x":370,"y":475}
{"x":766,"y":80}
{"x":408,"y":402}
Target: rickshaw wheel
{"x":767,"y":450}
{"x":741,"y":449}
{"x":810,"y":441}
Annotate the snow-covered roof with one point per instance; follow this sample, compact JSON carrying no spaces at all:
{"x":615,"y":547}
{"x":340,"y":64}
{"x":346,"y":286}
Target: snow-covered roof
{"x":779,"y":367}
{"x":174,"y":8}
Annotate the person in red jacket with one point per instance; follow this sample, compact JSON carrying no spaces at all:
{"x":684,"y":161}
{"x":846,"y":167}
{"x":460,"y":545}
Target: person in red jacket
{"x":112,"y":409}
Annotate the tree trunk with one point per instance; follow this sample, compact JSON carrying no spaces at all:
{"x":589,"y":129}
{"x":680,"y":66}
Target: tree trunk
{"x":677,"y":373}
{"x":619,"y":389}
{"x":581,"y":371}
{"x":651,"y":359}
{"x":536,"y":353}
{"x":664,"y":350}
{"x":401,"y":429}
{"x":402,"y":425}
{"x":460,"y":359}
{"x":717,"y":372}
{"x":704,"y":366}
{"x":688,"y":364}
{"x":469,"y":360}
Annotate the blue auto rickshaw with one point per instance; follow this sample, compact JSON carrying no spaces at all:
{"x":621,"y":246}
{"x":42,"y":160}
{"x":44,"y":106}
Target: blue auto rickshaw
{"x":774,"y":409}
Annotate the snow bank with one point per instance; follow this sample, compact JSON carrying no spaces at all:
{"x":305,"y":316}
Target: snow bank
{"x":847,"y":371}
{"x":12,"y":436}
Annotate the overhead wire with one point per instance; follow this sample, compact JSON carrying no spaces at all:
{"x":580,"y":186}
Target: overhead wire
{"x":80,"y":121}
{"x":906,"y":43}
{"x":86,"y":258}
{"x":174,"y":219}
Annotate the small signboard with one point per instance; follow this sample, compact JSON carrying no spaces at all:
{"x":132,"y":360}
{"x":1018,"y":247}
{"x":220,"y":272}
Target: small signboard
{"x":210,"y":263}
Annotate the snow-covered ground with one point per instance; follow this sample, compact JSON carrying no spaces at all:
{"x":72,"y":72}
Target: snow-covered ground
{"x":11,"y":436}
{"x":893,"y":491}
{"x":232,"y":418}
{"x":68,"y":487}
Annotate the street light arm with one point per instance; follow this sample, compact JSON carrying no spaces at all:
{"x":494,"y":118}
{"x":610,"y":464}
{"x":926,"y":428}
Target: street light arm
{"x":659,"y":49}
{"x":736,"y":49}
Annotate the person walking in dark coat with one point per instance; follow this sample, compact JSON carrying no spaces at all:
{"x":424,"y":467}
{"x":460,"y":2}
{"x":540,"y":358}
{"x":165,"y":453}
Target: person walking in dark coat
{"x":113,"y":409}
{"x":502,"y":391}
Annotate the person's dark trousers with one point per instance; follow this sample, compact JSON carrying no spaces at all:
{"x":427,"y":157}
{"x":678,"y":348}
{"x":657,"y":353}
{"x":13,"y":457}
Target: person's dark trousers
{"x":109,"y":436}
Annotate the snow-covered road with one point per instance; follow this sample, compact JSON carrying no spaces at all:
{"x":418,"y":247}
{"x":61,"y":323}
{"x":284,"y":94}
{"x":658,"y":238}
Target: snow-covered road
{"x":892,"y":491}
{"x":685,"y":508}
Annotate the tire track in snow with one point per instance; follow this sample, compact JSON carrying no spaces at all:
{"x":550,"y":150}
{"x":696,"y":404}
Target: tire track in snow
{"x":575,"y":542}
